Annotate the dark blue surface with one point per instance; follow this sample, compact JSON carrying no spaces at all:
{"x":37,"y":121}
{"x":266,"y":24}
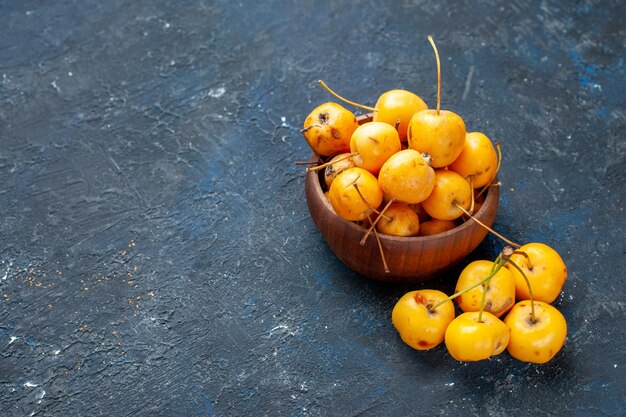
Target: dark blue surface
{"x":157,"y":255}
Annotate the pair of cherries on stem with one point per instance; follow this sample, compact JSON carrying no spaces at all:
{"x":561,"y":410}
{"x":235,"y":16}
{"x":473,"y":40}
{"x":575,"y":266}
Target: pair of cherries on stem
{"x":533,"y":330}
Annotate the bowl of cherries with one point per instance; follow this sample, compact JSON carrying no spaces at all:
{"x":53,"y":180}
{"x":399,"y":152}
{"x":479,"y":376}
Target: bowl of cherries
{"x":401,"y":193}
{"x":405,"y":192}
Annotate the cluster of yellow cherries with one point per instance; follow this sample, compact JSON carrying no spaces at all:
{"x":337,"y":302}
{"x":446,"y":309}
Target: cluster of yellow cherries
{"x":533,"y":330}
{"x":439,"y":175}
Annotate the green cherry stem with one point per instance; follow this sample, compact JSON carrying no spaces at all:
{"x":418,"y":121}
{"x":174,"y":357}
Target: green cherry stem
{"x":494,"y":270}
{"x":482,"y":301}
{"x":498,"y":263}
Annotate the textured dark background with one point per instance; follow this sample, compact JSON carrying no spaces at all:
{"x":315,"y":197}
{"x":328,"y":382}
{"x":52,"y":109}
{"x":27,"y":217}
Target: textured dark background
{"x":157,"y":256}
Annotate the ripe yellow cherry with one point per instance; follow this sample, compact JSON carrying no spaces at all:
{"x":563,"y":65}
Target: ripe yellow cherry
{"x":435,"y":226}
{"x":500,"y":295}
{"x":399,"y":220}
{"x":544,"y":269}
{"x":419,"y":327}
{"x":537,"y":341}
{"x":338,"y":164}
{"x":419,"y":210}
{"x":440,"y":134}
{"x":477,"y":160}
{"x":328,"y":129}
{"x":449,"y":192}
{"x":407,"y":177}
{"x":398,"y":105}
{"x":468,"y":339}
{"x":354,"y":193}
{"x":372,"y":144}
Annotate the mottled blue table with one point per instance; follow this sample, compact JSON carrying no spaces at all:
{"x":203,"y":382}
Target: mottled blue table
{"x":157,"y":256}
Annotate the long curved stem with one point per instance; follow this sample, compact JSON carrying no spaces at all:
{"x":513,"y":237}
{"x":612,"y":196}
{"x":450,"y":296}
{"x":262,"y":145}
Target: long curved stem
{"x":358,"y":191}
{"x":361,"y":106}
{"x":470,"y":215}
{"x":432,"y":43}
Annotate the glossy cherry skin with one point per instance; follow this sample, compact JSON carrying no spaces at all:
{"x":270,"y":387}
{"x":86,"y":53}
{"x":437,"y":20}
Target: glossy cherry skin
{"x":469,"y":340}
{"x":328,"y":129}
{"x":419,"y":327}
{"x":536,"y":342}
{"x":543,"y":267}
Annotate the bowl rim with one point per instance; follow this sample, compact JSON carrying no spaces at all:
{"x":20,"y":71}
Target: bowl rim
{"x":491,"y":197}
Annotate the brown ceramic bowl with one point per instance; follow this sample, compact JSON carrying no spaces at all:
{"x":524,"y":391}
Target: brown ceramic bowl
{"x":410,"y":259}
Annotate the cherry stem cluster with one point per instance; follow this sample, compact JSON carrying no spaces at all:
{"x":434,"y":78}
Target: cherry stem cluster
{"x":498,"y":263}
{"x":502,"y":259}
{"x":373,"y":225}
{"x":380,"y":247}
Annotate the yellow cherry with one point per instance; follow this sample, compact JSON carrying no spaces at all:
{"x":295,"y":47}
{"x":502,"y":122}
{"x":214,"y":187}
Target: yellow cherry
{"x":372,"y":144}
{"x":440,"y":133}
{"x":544,"y":269}
{"x":328,"y":129}
{"x":407,"y":177}
{"x":500,"y":295}
{"x":477,"y":160}
{"x":399,"y":220}
{"x":468,"y":339}
{"x":337,"y":165}
{"x":354,"y":193}
{"x":435,"y":226}
{"x":398,"y":105}
{"x":450,"y":191}
{"x":539,"y":340}
{"x":419,"y":327}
